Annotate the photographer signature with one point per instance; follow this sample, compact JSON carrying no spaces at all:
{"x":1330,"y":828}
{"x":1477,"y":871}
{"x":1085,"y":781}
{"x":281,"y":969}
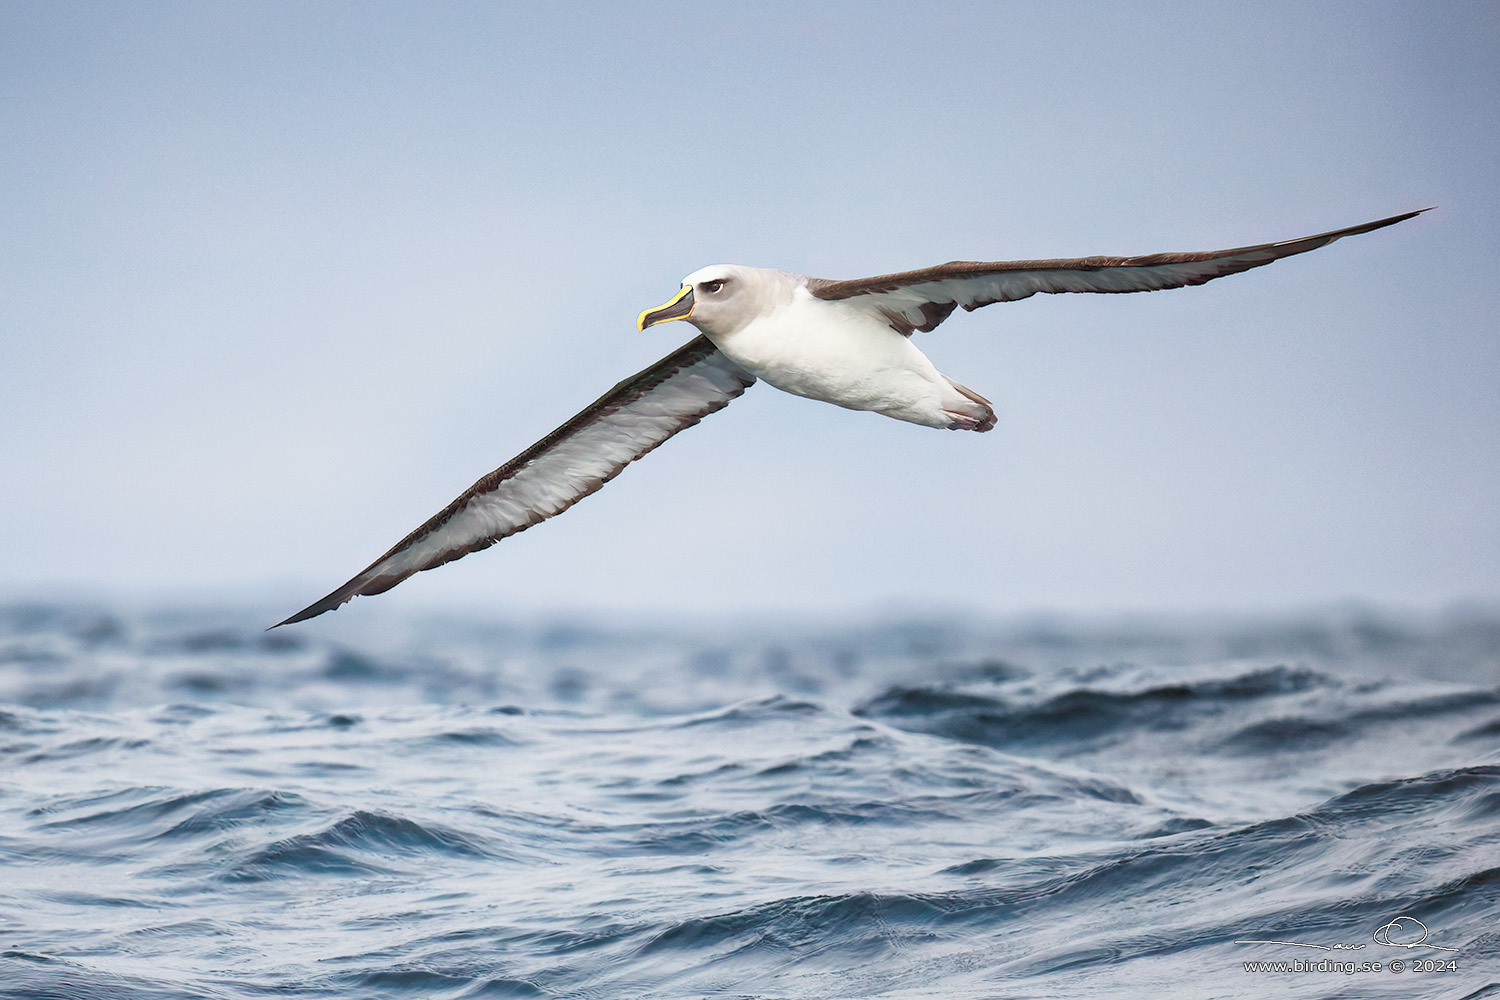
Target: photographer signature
{"x":1399,"y":932}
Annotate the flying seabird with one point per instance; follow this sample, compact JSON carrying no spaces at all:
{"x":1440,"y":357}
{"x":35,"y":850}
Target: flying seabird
{"x":844,"y":342}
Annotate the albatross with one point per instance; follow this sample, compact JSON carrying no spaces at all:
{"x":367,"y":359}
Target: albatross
{"x":843,"y":342}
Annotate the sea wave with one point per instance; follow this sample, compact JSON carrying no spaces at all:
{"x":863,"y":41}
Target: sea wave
{"x":905,"y":812}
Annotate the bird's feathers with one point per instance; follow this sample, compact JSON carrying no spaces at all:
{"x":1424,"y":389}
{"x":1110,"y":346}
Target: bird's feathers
{"x":562,"y":468}
{"x":920,"y":300}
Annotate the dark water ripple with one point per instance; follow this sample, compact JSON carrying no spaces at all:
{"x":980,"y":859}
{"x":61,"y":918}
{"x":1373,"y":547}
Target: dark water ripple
{"x":192,"y":808}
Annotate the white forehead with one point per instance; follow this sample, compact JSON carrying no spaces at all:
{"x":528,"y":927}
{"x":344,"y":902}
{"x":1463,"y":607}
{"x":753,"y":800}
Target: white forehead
{"x":715,"y":272}
{"x":752,"y":277}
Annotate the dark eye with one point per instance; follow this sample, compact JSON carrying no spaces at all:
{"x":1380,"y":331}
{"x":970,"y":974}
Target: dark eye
{"x":713,"y":287}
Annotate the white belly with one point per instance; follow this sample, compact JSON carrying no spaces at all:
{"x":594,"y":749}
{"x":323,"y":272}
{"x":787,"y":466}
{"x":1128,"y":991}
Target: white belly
{"x":819,"y":350}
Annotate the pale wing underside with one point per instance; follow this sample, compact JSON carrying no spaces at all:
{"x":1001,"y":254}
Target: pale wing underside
{"x":920,"y":300}
{"x":562,"y":468}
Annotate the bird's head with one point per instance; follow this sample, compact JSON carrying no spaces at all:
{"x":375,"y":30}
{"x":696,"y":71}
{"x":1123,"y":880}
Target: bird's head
{"x":722,"y":298}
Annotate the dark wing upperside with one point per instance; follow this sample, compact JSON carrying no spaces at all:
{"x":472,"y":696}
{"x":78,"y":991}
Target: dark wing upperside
{"x":920,"y":300}
{"x":561,"y":469}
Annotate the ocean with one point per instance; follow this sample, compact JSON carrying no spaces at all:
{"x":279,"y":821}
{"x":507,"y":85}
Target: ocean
{"x":1304,"y":805}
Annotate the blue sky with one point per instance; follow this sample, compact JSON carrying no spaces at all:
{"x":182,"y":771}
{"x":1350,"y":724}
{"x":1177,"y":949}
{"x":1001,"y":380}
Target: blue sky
{"x":281,"y":280}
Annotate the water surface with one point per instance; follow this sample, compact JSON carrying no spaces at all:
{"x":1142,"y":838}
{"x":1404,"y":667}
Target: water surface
{"x":440,"y":808}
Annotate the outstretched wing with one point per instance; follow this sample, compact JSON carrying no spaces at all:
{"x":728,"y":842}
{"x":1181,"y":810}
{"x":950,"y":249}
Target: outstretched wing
{"x":920,"y":300}
{"x":562,"y":468}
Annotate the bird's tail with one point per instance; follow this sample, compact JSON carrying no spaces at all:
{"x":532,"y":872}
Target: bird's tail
{"x":974,"y":414}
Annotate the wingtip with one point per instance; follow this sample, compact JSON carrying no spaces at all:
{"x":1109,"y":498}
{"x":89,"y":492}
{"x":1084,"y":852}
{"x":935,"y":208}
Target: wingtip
{"x":1323,"y":239}
{"x":1408,"y":215}
{"x":315,"y":609}
{"x":300,"y":616}
{"x":288,"y":621}
{"x":1382,"y":223}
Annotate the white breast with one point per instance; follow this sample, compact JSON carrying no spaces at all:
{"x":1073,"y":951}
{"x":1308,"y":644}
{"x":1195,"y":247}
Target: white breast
{"x":827,"y":351}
